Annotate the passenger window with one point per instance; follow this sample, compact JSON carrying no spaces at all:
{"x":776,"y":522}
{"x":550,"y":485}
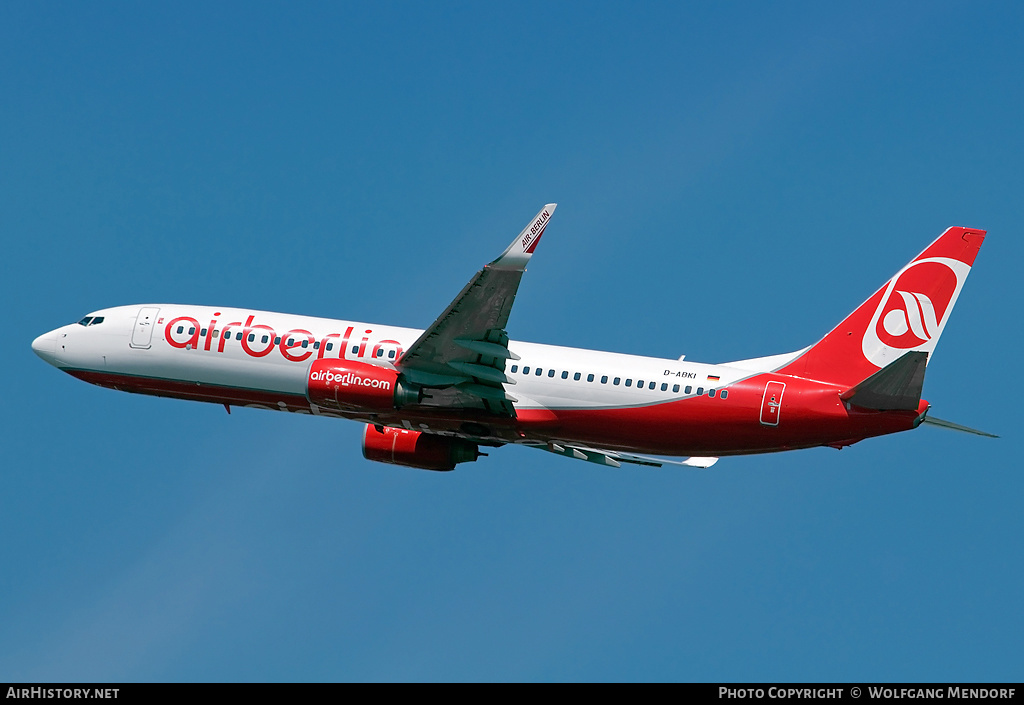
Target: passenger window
{"x":700,"y":391}
{"x":355,"y":349}
{"x":629,"y":383}
{"x":238,"y":336}
{"x":551,"y":373}
{"x":202,"y":332}
{"x":526,"y":370}
{"x":265,"y":339}
{"x":651,"y":385}
{"x":391,"y":354}
{"x":252,"y":337}
{"x":675,"y":388}
{"x":725,"y":393}
{"x":616,"y":380}
{"x":191,"y":331}
{"x":305,"y":343}
{"x":576,"y":376}
{"x":539,"y":372}
{"x":316,"y":345}
{"x":664,"y":387}
{"x":181,"y":329}
{"x":712,"y":392}
{"x":688,"y":389}
{"x":639,"y":384}
{"x":590,"y":378}
{"x":330,"y":346}
{"x":291,"y":342}
{"x":604,"y":379}
{"x":565,"y":374}
{"x":515,"y":368}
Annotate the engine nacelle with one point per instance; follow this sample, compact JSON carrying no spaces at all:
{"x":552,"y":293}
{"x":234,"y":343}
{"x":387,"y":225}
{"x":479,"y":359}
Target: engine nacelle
{"x":356,"y":386}
{"x":416,"y":449}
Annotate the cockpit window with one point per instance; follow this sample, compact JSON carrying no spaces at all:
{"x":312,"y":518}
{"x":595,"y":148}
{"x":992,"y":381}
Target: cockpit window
{"x":85,"y":321}
{"x":91,"y":321}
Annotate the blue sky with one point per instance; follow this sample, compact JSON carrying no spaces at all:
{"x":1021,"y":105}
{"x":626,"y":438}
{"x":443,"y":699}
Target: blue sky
{"x":732,"y":180}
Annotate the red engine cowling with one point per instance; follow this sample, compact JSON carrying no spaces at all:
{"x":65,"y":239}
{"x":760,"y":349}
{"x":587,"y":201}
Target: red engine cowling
{"x":416,"y":449}
{"x":356,"y":386}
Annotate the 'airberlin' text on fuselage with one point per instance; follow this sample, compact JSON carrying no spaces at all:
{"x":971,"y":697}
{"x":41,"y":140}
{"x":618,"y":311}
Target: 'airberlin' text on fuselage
{"x":347,"y":378}
{"x":257,"y":340}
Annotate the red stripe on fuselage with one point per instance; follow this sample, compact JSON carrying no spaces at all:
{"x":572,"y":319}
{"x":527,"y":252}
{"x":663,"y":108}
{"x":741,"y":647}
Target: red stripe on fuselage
{"x":191,"y":391}
{"x":810,"y":415}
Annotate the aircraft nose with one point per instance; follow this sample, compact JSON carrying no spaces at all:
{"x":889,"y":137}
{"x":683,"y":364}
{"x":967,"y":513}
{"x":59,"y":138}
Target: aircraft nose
{"x":45,"y":346}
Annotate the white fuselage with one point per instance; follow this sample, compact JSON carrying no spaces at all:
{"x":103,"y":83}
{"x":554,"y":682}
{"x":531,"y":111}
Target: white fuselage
{"x":207,"y":351}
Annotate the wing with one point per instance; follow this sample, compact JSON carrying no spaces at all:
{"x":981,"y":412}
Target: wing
{"x":615,"y":459}
{"x":460,"y":359}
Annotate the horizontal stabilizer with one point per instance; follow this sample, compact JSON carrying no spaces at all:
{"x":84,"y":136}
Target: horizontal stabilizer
{"x":956,"y":427}
{"x":896,"y":386}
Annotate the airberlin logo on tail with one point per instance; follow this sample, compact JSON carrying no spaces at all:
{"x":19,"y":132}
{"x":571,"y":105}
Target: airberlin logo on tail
{"x":914,"y":309}
{"x":347,"y":379}
{"x":917,"y":316}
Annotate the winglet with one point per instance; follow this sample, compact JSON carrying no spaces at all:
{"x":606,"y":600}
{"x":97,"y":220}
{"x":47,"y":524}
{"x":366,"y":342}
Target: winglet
{"x":519,"y":252}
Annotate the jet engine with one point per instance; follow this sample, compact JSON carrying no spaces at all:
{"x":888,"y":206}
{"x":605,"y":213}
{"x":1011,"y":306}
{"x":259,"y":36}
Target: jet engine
{"x":356,"y":386}
{"x":416,"y":449}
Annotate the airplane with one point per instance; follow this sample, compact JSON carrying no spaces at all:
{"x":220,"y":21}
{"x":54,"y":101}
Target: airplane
{"x":432,"y":398}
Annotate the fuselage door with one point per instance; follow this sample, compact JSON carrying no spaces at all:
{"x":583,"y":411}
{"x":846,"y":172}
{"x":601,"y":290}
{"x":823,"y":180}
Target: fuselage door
{"x":142,"y":333}
{"x":771,"y":403}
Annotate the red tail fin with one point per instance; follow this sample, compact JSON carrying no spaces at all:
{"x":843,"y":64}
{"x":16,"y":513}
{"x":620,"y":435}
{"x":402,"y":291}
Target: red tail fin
{"x":908,"y":313}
